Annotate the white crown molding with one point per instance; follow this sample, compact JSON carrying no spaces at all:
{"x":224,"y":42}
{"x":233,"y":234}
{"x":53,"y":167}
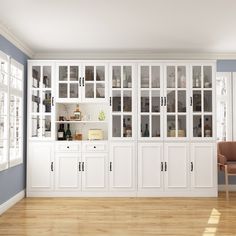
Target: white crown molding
{"x":13,"y":39}
{"x":133,"y":55}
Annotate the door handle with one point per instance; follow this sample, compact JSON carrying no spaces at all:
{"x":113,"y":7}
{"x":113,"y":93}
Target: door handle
{"x":110,"y":101}
{"x":79,"y":166}
{"x":83,"y":81}
{"x":82,"y":166}
{"x":52,"y":101}
{"x":164,"y":101}
{"x":191,"y":166}
{"x":165,"y":166}
{"x":191,"y":101}
{"x":52,"y":166}
{"x":161,"y":166}
{"x":80,"y":81}
{"x":161,"y":101}
{"x":110,"y":167}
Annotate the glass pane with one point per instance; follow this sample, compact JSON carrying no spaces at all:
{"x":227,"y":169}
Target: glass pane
{"x":171,"y":127}
{"x":207,"y":76}
{"x":46,"y":126}
{"x":182,"y":126}
{"x":3,"y":103}
{"x":116,"y":77}
{"x":74,"y":73}
{"x":35,"y":101}
{"x":181,"y":76}
{"x":197,"y":101}
{"x":145,"y":126}
{"x":47,"y":97}
{"x":35,"y":126}
{"x":181,"y":101}
{"x":127,"y":101}
{"x":62,"y":90}
{"x":197,"y":126}
{"x":155,"y":70}
{"x":197,"y":77}
{"x":116,"y":126}
{"x":100,"y":73}
{"x":144,"y":101}
{"x":127,"y":77}
{"x":89,"y":73}
{"x":127,"y":126}
{"x":221,"y":86}
{"x":89,"y":90}
{"x":74,"y":90}
{"x":156,"y":126}
{"x":47,"y":77}
{"x":155,"y":101}
{"x":3,"y":78}
{"x":116,"y":101}
{"x":3,"y":127}
{"x":171,"y":101}
{"x":63,"y":73}
{"x":207,"y":126}
{"x":100,"y":90}
{"x":36,"y":76}
{"x":144,"y":76}
{"x":208,"y":101}
{"x":170,"y":77}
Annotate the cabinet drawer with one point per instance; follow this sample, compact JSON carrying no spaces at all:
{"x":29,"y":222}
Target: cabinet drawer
{"x":95,"y":147}
{"x":68,"y":147}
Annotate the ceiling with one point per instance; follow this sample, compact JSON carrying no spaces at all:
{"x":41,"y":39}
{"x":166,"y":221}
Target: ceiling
{"x":164,"y":26}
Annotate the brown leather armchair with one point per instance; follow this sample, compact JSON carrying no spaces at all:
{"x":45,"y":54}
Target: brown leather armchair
{"x":226,"y":155}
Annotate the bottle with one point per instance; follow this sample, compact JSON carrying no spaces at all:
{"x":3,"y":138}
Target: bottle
{"x":61,"y":133}
{"x":68,"y":133}
{"x":77,"y":113}
{"x":146,"y":132}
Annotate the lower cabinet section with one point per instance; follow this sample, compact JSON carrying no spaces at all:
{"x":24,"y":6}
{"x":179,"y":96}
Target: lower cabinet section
{"x":154,"y":169}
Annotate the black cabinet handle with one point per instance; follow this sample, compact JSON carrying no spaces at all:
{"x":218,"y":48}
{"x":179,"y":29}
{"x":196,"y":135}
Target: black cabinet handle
{"x":80,"y":81}
{"x":110,"y":167}
{"x":94,"y":147}
{"x":82,"y":166}
{"x":52,"y":166}
{"x":161,"y":101}
{"x":68,"y":147}
{"x":110,"y":101}
{"x":52,"y":101}
{"x":165,"y":166}
{"x":83,"y":81}
{"x":191,"y":166}
{"x":79,"y":166}
{"x":191,"y":101}
{"x":164,"y":101}
{"x":161,"y":166}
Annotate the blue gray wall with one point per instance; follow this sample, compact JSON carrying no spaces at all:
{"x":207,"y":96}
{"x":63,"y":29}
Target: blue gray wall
{"x":12,"y":180}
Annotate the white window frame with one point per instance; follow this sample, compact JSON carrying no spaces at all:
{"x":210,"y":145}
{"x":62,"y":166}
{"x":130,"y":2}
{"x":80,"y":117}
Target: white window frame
{"x":16,"y":92}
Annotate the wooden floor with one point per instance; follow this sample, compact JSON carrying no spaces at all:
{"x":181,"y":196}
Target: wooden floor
{"x":121,"y":216}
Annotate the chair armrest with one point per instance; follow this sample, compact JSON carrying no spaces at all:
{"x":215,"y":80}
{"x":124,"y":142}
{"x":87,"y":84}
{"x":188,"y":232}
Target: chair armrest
{"x":221,"y":159}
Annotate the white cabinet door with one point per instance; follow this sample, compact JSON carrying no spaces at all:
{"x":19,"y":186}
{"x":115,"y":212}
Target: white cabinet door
{"x":40,"y":166}
{"x":122,"y":166}
{"x":203,"y":165}
{"x":176,"y":166}
{"x":150,"y":166}
{"x":94,"y":172}
{"x":67,"y":171}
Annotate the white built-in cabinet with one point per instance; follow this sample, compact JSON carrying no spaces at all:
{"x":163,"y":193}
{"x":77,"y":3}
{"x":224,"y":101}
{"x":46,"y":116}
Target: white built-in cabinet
{"x":159,"y":128}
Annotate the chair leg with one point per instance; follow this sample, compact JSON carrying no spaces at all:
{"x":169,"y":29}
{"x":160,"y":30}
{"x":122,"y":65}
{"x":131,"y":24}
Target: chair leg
{"x":226,"y":182}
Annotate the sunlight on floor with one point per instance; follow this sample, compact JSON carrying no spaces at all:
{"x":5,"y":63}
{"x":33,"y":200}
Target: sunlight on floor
{"x":213,"y":220}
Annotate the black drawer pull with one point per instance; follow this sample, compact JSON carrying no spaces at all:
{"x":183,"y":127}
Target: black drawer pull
{"x":94,"y":147}
{"x":68,"y":147}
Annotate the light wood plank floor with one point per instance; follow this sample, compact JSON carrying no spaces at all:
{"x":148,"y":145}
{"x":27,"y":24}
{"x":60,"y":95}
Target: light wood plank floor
{"x":121,"y":216}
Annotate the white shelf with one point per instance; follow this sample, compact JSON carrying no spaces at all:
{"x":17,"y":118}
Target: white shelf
{"x":81,"y":121}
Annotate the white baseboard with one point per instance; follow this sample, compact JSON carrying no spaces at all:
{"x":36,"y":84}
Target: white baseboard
{"x":232,"y":187}
{"x":12,"y":201}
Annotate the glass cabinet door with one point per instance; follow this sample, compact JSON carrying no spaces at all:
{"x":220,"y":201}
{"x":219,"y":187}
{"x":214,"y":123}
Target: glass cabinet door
{"x":150,"y":101}
{"x":202,"y":101}
{"x":175,"y":101}
{"x":94,"y":82}
{"x":122,"y":101}
{"x":42,"y":101}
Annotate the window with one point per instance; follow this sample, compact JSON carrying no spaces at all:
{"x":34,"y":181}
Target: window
{"x":11,"y":112}
{"x":224,"y":105}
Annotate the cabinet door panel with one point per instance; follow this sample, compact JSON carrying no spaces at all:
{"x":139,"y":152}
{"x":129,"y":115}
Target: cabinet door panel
{"x":150,"y":166}
{"x":122,"y":166}
{"x":67,"y":171}
{"x":176,"y":165}
{"x":40,"y":159}
{"x":95,"y":171}
{"x":203,"y":165}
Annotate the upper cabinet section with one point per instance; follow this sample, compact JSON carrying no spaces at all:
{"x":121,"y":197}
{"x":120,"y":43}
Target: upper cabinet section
{"x":81,"y":82}
{"x":41,"y":100}
{"x":122,"y":101}
{"x":202,"y":100}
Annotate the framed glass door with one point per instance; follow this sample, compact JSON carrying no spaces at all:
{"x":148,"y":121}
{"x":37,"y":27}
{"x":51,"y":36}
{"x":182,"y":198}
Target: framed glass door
{"x":150,"y":101}
{"x":202,"y":101}
{"x":176,"y":102}
{"x":122,"y":102}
